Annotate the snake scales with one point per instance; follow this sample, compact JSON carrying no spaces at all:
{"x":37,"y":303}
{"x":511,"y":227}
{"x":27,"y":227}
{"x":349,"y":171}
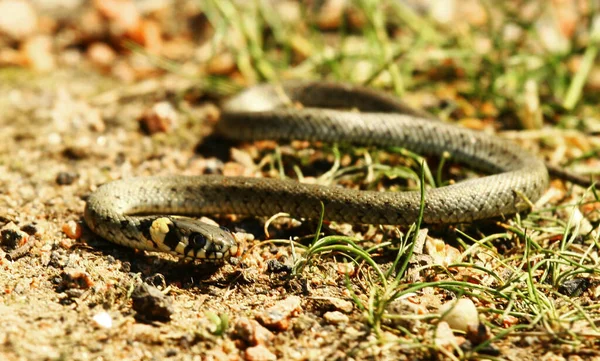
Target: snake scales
{"x":137,"y":212}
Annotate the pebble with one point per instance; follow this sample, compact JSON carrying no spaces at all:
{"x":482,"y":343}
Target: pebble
{"x":289,"y":12}
{"x":478,"y":334}
{"x":442,"y":253}
{"x":404,"y":306}
{"x":73,"y":278}
{"x":161,"y":118}
{"x":302,"y":323}
{"x":274,"y":266}
{"x":103,"y":320}
{"x":122,"y":15}
{"x":31,"y":229}
{"x":335,"y":317}
{"x":252,"y":332}
{"x":101,"y":54}
{"x":341,"y":305}
{"x":278,"y":316}
{"x":574,"y":287}
{"x":151,"y":304}
{"x":58,"y":259}
{"x":243,"y":158}
{"x":346,"y":269}
{"x":259,"y":353}
{"x":37,"y":51}
{"x":22,"y":21}
{"x":331,"y":14}
{"x":66,"y":178}
{"x":148,"y":33}
{"x":444,"y":337}
{"x":549,"y":35}
{"x":460,"y":314}
{"x":11,"y":237}
{"x":221,"y":64}
{"x":551,"y":356}
{"x":72,"y":229}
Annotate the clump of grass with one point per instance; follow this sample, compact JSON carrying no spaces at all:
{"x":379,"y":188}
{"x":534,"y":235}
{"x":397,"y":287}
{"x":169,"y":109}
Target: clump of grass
{"x":220,"y":323}
{"x":385,"y":289}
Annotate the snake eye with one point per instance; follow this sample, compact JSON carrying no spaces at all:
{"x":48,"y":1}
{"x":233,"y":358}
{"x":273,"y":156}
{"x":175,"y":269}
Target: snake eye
{"x":197,"y":240}
{"x":225,"y":229}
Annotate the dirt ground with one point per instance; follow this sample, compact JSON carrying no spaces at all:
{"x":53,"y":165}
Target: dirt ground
{"x":54,"y":292}
{"x":66,"y":294}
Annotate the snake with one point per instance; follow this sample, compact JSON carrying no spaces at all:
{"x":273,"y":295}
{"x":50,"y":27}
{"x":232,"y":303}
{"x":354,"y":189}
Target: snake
{"x":156,"y":213}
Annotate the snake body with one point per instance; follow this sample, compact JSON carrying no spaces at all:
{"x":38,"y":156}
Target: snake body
{"x":137,"y":212}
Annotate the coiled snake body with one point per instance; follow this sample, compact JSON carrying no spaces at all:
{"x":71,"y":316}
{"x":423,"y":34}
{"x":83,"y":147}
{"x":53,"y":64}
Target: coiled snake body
{"x":137,"y":212}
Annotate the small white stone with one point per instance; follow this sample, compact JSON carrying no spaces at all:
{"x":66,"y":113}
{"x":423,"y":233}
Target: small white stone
{"x":460,"y":314}
{"x":103,"y":320}
{"x":18,"y":18}
{"x":335,"y":317}
{"x":444,"y":337}
{"x":341,"y":305}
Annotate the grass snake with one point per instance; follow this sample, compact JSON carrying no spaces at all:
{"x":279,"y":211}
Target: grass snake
{"x":139,"y":212}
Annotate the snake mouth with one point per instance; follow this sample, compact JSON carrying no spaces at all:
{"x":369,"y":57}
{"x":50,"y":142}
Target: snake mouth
{"x":228,"y":247}
{"x":213,"y":257}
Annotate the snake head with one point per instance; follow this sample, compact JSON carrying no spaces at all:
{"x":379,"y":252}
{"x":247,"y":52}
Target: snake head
{"x":192,"y":239}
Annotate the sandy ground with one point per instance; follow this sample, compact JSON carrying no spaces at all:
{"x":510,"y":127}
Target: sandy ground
{"x":58,"y":129}
{"x":65,"y":299}
{"x":66,"y":294}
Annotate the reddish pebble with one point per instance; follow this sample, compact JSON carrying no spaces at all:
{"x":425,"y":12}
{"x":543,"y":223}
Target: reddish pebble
{"x":148,"y":33}
{"x":221,"y":64}
{"x":331,"y":14}
{"x":75,"y":279}
{"x":161,"y":118}
{"x":252,"y":332}
{"x":259,"y":353}
{"x":278,"y":316}
{"x":101,"y":54}
{"x":72,"y":229}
